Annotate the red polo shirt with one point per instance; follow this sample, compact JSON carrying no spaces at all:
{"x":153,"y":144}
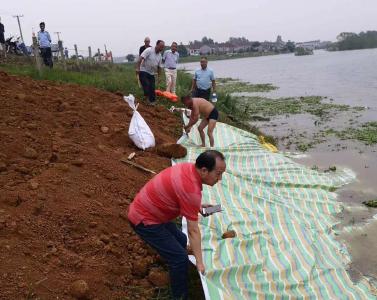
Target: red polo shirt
{"x":173,"y":192}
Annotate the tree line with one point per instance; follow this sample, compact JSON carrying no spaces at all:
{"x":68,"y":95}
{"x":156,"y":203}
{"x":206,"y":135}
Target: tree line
{"x":353,"y":41}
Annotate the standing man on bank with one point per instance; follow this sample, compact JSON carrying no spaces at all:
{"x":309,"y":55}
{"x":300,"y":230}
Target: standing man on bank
{"x":3,"y":50}
{"x":147,"y":44}
{"x":203,"y":80}
{"x":148,"y":64}
{"x":44,"y":40}
{"x":176,"y":191}
{"x":170,"y":60}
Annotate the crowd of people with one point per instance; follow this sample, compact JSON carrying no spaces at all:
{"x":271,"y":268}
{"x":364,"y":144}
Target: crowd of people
{"x":150,"y":64}
{"x":44,"y":43}
{"x":177,"y":191}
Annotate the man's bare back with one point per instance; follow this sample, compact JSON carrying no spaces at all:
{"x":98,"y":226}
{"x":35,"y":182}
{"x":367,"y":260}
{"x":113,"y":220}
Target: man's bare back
{"x":202,"y":106}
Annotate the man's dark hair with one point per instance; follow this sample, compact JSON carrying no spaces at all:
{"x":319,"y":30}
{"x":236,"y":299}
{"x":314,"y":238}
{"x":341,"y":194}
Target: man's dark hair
{"x":185,"y":97}
{"x":174,"y":43}
{"x":207,"y":159}
{"x":42,"y":23}
{"x":204,"y":57}
{"x":159,"y":41}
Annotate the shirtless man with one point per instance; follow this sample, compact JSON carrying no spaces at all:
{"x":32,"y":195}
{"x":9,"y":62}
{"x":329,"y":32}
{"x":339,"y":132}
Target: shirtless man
{"x":208,"y":112}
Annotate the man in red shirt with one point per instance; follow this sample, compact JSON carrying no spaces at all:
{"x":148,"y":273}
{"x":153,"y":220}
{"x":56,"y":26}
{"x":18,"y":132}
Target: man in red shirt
{"x":176,"y":191}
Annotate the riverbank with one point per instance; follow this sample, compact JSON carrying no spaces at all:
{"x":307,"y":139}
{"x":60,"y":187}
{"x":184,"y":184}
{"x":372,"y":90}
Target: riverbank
{"x":75,"y":125}
{"x":212,"y":57}
{"x":330,"y":133}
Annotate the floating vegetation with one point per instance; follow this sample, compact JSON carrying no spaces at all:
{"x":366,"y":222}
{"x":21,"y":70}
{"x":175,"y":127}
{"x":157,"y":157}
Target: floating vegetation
{"x":367,"y":133}
{"x":229,"y":85}
{"x":371,"y":203}
{"x":271,"y":107}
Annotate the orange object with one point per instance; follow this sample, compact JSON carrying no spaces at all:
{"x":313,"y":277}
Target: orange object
{"x":170,"y":96}
{"x":158,"y":92}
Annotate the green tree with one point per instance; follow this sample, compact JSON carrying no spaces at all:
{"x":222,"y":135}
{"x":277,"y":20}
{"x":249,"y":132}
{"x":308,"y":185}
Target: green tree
{"x":182,"y":50}
{"x":290,"y":46}
{"x":130,"y":57}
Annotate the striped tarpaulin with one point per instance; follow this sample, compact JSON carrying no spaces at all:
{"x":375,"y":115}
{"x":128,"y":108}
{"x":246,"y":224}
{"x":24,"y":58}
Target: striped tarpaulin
{"x":284,"y":216}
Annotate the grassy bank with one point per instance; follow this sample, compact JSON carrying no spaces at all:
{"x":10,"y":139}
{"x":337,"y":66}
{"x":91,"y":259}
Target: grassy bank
{"x":122,"y":78}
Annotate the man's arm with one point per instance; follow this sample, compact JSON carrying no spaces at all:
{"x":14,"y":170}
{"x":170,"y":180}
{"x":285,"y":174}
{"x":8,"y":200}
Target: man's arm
{"x":213,"y":86}
{"x":194,"y":117}
{"x":138,"y":64}
{"x":196,"y":244}
{"x":193,"y":84}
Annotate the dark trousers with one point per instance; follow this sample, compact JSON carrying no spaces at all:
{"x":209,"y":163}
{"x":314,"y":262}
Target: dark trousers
{"x":47,"y":56}
{"x":171,"y":244}
{"x":199,"y":93}
{"x":148,"y":83}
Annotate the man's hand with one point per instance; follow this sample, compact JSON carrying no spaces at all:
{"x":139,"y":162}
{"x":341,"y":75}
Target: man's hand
{"x":207,"y":205}
{"x":187,"y":129}
{"x":201,"y":268}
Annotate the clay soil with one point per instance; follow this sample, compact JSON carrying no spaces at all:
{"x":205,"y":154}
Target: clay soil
{"x":64,"y":193}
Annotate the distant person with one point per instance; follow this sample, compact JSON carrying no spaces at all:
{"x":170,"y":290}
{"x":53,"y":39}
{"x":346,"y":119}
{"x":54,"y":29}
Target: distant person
{"x":208,"y":112}
{"x":44,"y":41}
{"x":3,"y":51}
{"x":203,"y":80}
{"x":148,"y":64}
{"x":176,"y":191}
{"x":170,"y":59}
{"x":66,"y":53}
{"x":147,"y":44}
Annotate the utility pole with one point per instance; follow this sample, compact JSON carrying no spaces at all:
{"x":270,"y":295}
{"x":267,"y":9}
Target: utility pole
{"x":19,"y":25}
{"x":106,"y":54}
{"x":58,"y":34}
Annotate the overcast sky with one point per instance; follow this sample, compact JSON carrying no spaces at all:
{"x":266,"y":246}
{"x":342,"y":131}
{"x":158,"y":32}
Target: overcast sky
{"x":123,"y":24}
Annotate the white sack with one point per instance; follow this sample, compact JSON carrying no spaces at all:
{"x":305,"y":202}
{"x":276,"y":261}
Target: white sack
{"x":139,"y":131}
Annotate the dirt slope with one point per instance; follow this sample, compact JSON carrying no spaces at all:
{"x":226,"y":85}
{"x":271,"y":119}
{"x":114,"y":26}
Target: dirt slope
{"x":64,"y":192}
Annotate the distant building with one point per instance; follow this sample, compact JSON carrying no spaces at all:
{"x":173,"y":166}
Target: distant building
{"x":194,"y":51}
{"x":309,"y":45}
{"x":205,"y":50}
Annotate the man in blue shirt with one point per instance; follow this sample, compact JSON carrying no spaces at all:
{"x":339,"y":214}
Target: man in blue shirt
{"x":170,"y":60}
{"x":44,"y":40}
{"x":3,"y":51}
{"x":203,"y":80}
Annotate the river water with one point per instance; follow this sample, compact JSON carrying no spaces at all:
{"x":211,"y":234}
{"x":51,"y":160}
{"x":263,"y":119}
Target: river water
{"x":347,"y":77}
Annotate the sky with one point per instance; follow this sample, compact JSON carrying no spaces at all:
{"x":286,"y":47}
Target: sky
{"x":123,"y":24}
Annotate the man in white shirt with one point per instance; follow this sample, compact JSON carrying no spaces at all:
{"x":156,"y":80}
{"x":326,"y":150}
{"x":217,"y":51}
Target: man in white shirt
{"x":170,"y":59}
{"x":147,"y":66}
{"x":44,"y":40}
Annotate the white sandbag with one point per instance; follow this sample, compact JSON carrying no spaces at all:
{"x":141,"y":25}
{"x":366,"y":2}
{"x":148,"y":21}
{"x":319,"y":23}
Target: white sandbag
{"x":139,"y":131}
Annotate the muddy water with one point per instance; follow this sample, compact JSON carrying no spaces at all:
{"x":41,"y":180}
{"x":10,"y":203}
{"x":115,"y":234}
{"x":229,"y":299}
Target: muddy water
{"x":348,"y":77}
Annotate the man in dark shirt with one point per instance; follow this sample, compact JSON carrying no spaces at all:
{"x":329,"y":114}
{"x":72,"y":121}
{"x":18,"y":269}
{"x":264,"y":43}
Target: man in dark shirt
{"x":2,"y":40}
{"x":147,"y":44}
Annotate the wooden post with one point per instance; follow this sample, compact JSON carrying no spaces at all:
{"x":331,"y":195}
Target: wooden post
{"x":99,"y":55}
{"x":111,"y":57}
{"x":90,"y":54}
{"x":61,"y":51}
{"x":38,"y":63}
{"x":77,"y":55}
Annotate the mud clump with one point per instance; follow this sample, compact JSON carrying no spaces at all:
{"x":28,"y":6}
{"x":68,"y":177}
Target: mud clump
{"x":79,"y":290}
{"x":171,"y":150}
{"x":229,"y":234}
{"x":158,"y":277}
